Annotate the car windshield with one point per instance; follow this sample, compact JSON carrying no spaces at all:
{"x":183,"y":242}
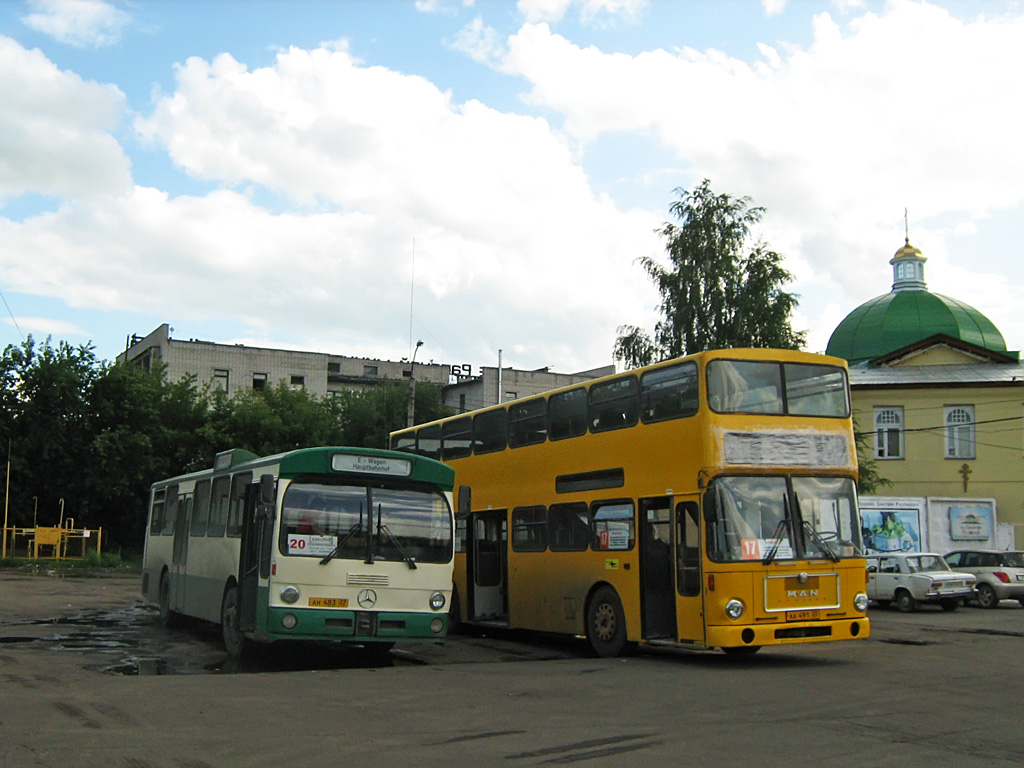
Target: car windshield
{"x":926,"y":563}
{"x":1012,"y":560}
{"x":364,"y":522}
{"x":780,"y":518}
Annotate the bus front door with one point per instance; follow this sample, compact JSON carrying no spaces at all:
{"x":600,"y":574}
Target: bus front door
{"x":688,"y":548}
{"x":487,"y":572}
{"x":657,"y":576}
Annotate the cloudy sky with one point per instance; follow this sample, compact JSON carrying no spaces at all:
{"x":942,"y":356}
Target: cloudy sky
{"x":352,"y":176}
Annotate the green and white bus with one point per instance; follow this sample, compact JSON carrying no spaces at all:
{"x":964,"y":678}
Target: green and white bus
{"x":339,"y":544}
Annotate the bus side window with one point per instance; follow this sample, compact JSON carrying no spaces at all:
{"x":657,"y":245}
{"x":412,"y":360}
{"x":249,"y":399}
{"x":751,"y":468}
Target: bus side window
{"x":156,"y":515}
{"x":568,"y":527}
{"x":529,"y":529}
{"x":219,"y":506}
{"x":688,"y":541}
{"x":237,"y":505}
{"x":201,"y":512}
{"x":170,"y":510}
{"x":669,"y":392}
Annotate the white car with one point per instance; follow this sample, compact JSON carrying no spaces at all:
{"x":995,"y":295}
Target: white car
{"x":909,"y":578}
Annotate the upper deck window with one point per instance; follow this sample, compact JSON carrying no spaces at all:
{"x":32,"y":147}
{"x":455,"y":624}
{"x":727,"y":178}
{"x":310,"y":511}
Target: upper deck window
{"x":567,"y":413}
{"x":669,"y":392}
{"x":796,"y":389}
{"x":456,"y":438}
{"x":527,"y":422}
{"x":490,"y":431}
{"x":614,"y":404}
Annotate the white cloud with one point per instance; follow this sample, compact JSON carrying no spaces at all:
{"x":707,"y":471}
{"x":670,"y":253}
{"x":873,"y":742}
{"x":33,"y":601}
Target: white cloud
{"x":56,"y":129}
{"x":909,"y":107}
{"x":81,"y":23}
{"x":510,"y":241}
{"x":591,"y":11}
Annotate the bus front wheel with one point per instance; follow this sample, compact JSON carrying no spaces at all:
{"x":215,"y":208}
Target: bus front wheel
{"x":237,"y":645}
{"x":606,"y":624}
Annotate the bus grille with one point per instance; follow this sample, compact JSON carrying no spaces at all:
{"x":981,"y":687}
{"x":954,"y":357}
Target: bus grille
{"x":367,"y":580}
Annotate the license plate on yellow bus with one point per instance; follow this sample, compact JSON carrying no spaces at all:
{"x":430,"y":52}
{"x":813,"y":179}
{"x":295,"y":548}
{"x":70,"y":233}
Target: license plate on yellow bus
{"x":328,"y":602}
{"x":801,"y":615}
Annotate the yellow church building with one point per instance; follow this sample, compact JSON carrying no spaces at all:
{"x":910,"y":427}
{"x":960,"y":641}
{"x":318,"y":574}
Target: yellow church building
{"x":932,"y":380}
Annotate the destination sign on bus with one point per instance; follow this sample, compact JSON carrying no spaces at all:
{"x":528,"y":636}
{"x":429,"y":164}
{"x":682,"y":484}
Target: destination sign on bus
{"x":374,"y":465}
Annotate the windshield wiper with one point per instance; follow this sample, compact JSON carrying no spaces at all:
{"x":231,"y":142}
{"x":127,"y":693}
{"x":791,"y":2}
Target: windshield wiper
{"x":357,"y":528}
{"x":401,"y":550}
{"x":822,"y":545}
{"x":776,"y":543}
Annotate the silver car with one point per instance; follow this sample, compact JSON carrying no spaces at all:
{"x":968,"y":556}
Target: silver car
{"x":1000,"y":573}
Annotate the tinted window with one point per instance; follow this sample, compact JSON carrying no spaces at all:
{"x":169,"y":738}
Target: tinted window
{"x":527,"y":422}
{"x":490,"y":431}
{"x":568,"y":527}
{"x":613,"y":404}
{"x":456,"y":438}
{"x":219,"y":506}
{"x":201,"y":512}
{"x":529,"y":529}
{"x":567,"y":413}
{"x":428,"y":441}
{"x":669,"y":393}
{"x":236,"y":510}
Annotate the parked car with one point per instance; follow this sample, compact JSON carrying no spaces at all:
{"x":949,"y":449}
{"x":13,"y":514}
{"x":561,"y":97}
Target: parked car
{"x":909,"y":578}
{"x":1000,"y":574}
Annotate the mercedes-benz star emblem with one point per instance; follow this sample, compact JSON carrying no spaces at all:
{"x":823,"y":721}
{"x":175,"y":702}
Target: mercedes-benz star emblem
{"x":367,"y":598}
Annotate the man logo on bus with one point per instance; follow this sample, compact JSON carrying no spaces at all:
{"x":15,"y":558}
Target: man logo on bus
{"x":802,"y":593}
{"x":367,"y":598}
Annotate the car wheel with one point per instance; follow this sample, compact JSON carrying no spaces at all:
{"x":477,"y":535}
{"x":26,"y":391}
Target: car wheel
{"x":987,"y":597}
{"x":905,"y":601}
{"x":949,"y":604}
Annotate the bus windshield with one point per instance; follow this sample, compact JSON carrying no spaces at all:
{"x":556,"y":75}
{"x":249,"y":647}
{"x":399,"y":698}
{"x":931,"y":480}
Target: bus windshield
{"x":364,"y":522}
{"x":780,"y":518}
{"x":795,"y":389}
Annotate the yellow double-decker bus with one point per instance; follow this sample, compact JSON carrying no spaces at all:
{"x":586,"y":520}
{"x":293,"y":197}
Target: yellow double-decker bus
{"x":704,"y":502}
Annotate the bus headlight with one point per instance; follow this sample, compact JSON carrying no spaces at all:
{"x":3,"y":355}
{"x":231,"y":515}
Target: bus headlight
{"x":734,"y":608}
{"x":860,"y":602}
{"x":289,"y":594}
{"x":437,"y":601}
{"x":288,"y":621}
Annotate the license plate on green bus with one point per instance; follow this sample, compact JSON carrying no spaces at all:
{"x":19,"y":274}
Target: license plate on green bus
{"x":328,"y":602}
{"x":801,"y":615}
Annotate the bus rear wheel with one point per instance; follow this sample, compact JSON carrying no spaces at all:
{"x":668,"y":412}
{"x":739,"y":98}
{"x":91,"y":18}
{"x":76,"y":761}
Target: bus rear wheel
{"x":168,"y":618}
{"x":238,"y":646}
{"x":606,"y":624}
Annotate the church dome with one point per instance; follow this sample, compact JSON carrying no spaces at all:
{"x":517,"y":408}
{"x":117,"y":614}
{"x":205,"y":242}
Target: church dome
{"x":907,"y":315}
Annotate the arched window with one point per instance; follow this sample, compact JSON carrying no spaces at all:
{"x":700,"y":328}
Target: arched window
{"x":889,"y":432}
{"x":960,"y":432}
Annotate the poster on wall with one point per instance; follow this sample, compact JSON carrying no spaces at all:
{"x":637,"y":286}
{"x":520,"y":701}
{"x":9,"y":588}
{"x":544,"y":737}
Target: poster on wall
{"x":970,"y":523}
{"x":893,"y":527}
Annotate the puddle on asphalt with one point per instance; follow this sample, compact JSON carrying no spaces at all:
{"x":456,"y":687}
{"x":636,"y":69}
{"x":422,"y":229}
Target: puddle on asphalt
{"x":143,"y":647}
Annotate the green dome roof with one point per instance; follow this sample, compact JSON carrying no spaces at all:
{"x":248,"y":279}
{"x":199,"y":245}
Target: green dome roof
{"x":904,"y":317}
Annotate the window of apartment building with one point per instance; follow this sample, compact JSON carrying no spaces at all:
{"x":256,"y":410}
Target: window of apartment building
{"x":220,"y":378}
{"x":259,"y":381}
{"x":509,"y":396}
{"x":959,"y":421}
{"x":370,"y":371}
{"x":334,"y":367}
{"x":889,"y":432}
{"x":298,"y":382}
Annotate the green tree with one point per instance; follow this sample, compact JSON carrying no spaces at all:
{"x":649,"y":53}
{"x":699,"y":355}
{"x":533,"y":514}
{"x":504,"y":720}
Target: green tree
{"x":371,"y":415}
{"x":719,"y":289}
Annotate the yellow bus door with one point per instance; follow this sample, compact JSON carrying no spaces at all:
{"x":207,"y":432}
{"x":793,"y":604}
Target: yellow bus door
{"x":657,"y":577}
{"x":487,"y":571}
{"x":688,"y":548}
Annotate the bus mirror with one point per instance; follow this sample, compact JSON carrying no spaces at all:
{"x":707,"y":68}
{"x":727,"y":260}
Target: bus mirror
{"x":266,"y":489}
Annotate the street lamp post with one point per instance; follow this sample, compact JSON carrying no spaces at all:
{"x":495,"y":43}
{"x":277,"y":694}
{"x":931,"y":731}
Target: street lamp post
{"x":411,"y":407}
